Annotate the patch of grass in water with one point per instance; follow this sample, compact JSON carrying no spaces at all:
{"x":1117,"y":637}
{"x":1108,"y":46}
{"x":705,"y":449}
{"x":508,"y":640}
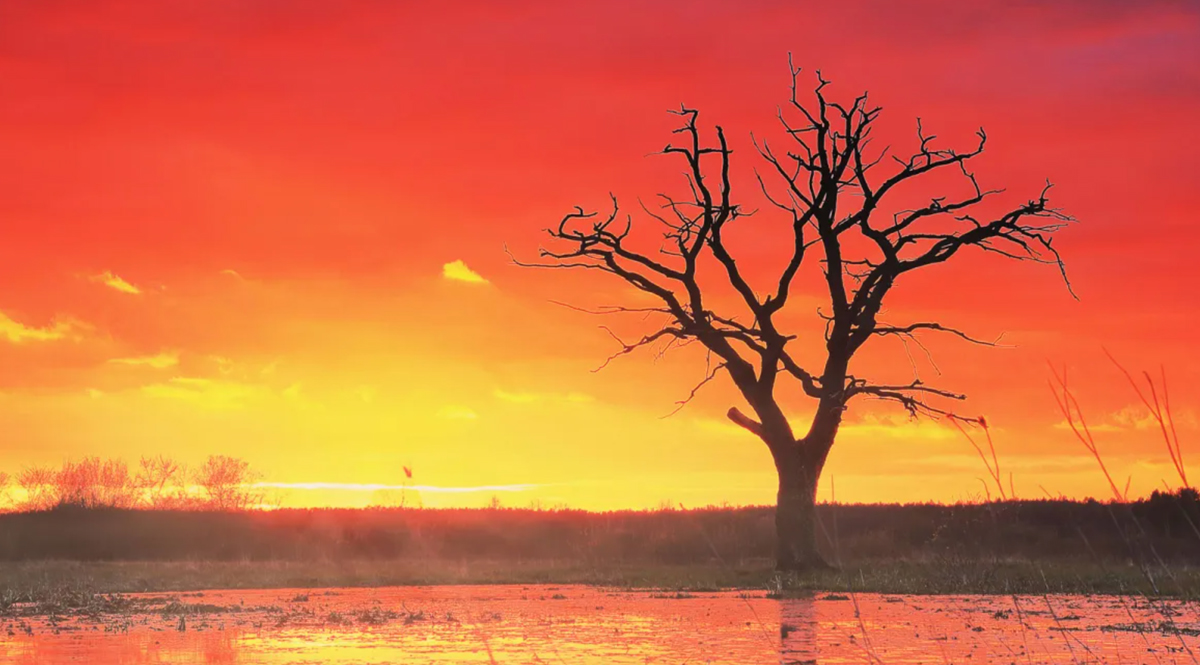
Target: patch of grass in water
{"x":995,"y":577}
{"x":71,"y":587}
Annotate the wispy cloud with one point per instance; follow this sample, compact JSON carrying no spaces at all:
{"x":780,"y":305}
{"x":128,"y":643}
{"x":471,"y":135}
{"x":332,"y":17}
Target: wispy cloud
{"x":898,"y":428}
{"x":209,"y":393}
{"x":17,"y":332}
{"x":529,"y":397}
{"x":160,"y":361}
{"x":867,"y":427}
{"x":458,"y":271}
{"x":1134,"y":417}
{"x":457,"y":412}
{"x":114,"y":282}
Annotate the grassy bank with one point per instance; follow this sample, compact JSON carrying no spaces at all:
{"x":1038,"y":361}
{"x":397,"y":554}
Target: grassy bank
{"x":1149,"y":547}
{"x":1159,"y":529}
{"x":34,"y":579}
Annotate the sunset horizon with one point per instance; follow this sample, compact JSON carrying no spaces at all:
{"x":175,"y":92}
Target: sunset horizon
{"x":278,"y":239}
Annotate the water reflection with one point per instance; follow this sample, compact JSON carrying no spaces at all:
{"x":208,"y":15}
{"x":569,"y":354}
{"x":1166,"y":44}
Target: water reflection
{"x":797,"y":631}
{"x":593,"y":626}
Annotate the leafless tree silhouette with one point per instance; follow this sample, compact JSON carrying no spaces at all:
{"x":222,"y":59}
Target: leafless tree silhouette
{"x":829,"y":185}
{"x":227,"y":483}
{"x":155,"y":476}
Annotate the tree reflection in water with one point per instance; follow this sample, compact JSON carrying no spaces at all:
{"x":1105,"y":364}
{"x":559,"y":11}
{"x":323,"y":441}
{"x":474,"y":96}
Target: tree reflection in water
{"x":797,"y":631}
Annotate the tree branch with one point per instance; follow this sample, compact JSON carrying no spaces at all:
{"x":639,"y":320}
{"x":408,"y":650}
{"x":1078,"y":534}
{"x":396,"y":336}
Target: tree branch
{"x":836,"y":193}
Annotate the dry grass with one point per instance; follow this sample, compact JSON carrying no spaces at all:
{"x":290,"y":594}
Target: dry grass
{"x":48,"y":579}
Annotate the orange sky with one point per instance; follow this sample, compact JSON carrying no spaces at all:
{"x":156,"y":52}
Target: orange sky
{"x":276,"y":230}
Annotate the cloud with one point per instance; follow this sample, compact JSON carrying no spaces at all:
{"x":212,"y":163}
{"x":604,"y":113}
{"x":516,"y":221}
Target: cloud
{"x":456,"y":412}
{"x":114,"y":282}
{"x":871,"y":426}
{"x":457,"y":270}
{"x":17,"y":332}
{"x":1133,"y":417}
{"x":224,"y":365}
{"x":209,"y":393}
{"x":529,"y":398}
{"x":160,"y":361}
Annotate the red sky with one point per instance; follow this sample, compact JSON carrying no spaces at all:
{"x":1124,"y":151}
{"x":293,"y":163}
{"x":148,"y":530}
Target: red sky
{"x":224,"y":226}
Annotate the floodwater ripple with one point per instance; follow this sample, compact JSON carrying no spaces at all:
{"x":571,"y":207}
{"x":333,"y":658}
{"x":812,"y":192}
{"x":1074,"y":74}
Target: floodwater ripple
{"x":575,"y":624}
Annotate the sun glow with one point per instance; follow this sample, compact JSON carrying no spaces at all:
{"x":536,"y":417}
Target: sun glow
{"x":296,"y":256}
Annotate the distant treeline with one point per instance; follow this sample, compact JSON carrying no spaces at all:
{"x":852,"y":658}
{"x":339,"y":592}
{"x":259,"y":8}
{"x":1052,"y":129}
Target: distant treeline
{"x":1162,"y":527}
{"x":162,"y":483}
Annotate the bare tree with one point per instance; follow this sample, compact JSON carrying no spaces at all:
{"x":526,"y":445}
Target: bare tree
{"x":37,"y":483}
{"x":115,"y":486}
{"x":844,"y":218}
{"x":157,"y":474}
{"x":5,"y":481}
{"x":94,"y":483}
{"x":228,"y":483}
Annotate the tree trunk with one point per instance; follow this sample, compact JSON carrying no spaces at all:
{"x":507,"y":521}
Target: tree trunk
{"x":799,"y":463}
{"x":795,"y":510}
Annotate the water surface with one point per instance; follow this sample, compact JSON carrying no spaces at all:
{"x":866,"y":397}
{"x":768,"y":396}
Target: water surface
{"x":572,"y":624}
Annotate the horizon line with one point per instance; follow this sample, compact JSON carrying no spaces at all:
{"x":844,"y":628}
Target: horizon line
{"x":375,"y":487}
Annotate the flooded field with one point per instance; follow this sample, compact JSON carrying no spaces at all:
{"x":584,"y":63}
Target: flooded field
{"x":567,"y":624}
